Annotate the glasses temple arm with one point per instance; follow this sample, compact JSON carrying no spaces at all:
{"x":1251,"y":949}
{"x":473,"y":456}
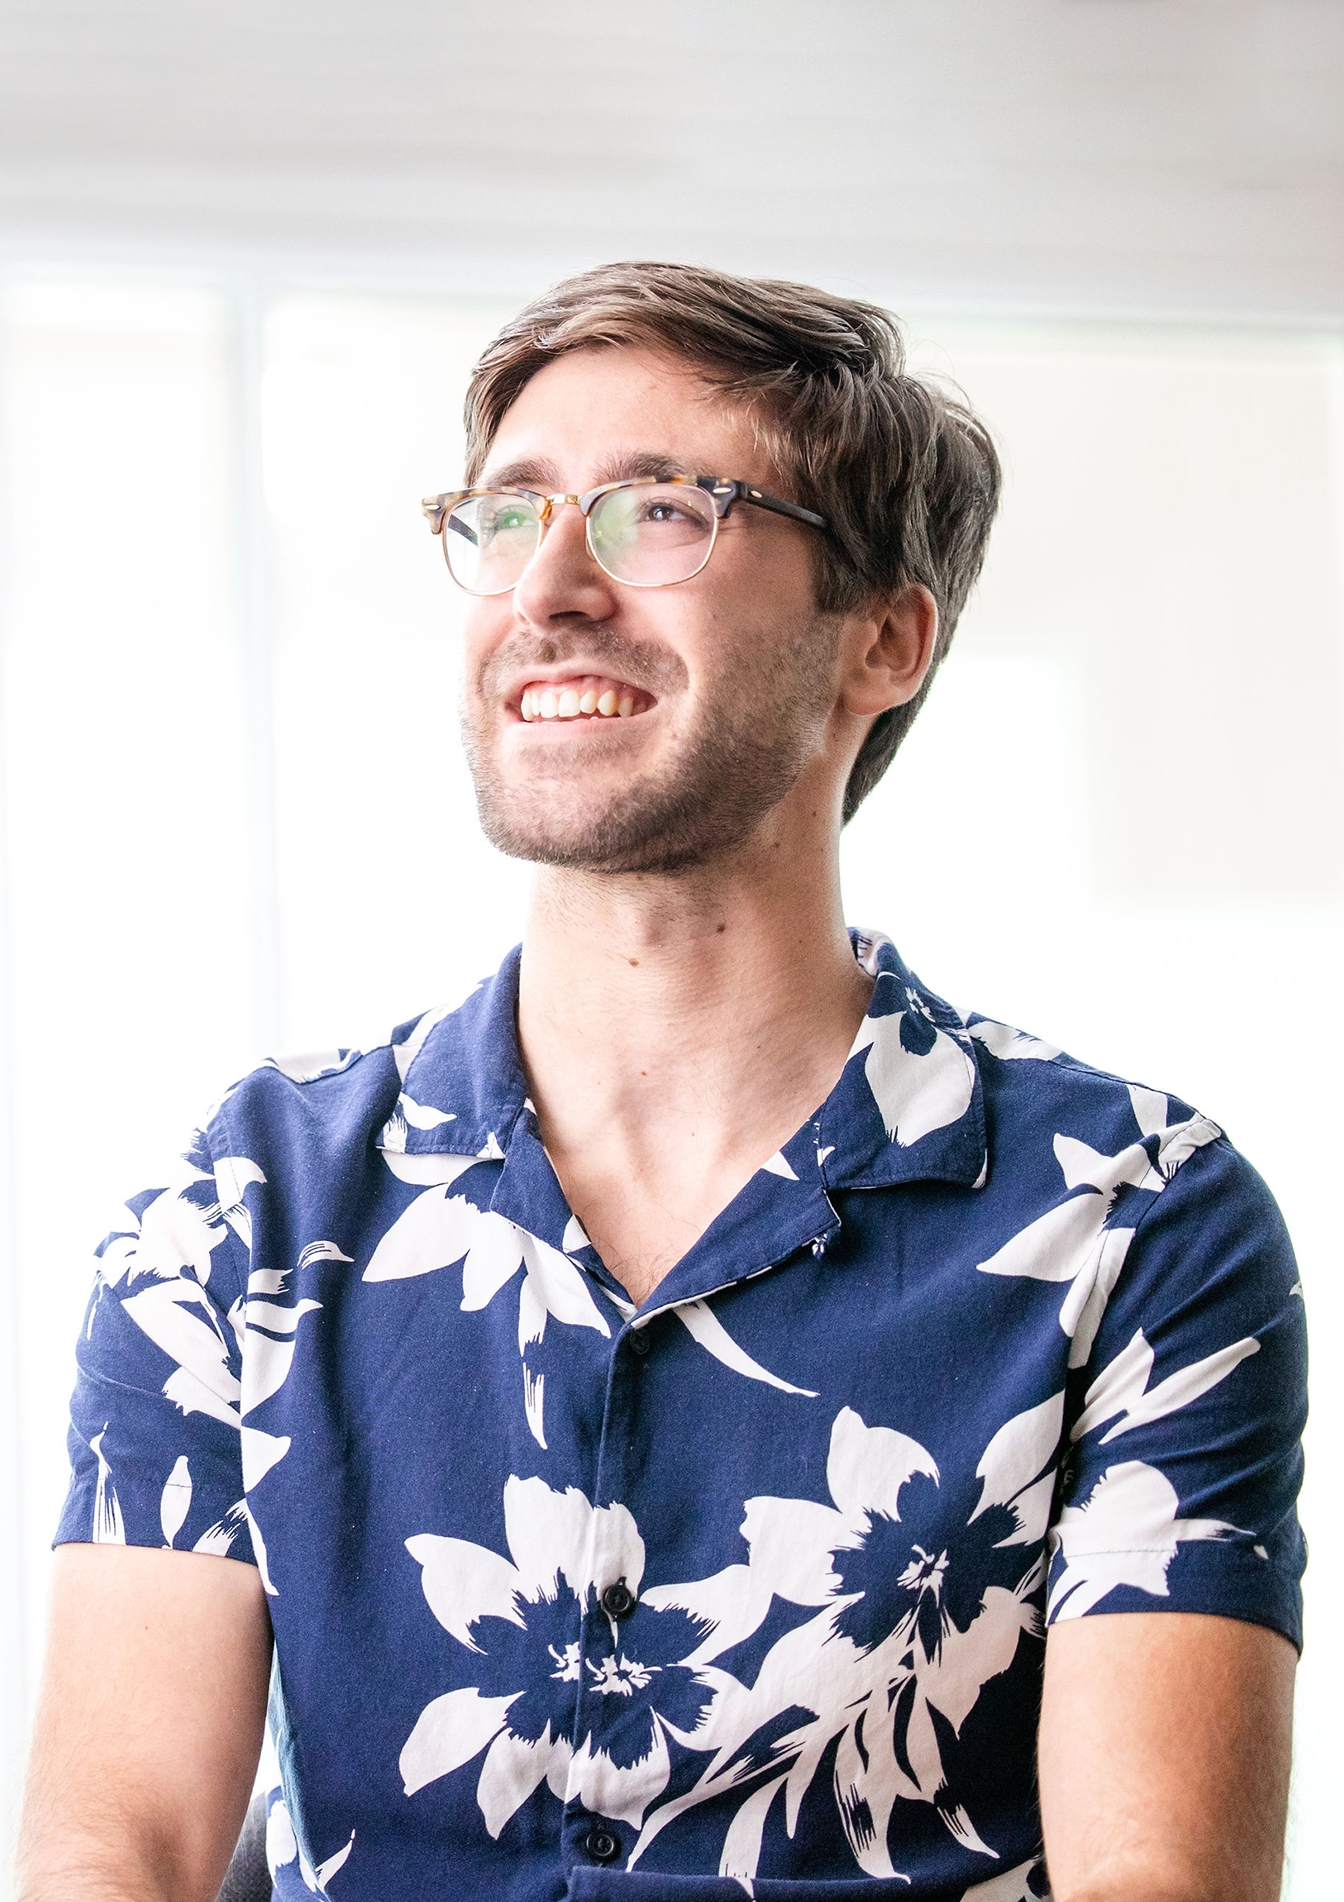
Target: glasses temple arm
{"x":779,"y":507}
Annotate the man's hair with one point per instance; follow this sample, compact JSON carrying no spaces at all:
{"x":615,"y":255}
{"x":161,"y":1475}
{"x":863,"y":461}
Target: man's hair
{"x":906,"y":476}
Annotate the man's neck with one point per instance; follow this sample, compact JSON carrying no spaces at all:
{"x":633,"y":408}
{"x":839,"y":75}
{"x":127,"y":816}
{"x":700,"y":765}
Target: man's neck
{"x":676,"y":1031}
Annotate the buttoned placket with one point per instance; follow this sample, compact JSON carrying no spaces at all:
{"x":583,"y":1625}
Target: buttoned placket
{"x":783,"y":1214}
{"x":772,"y":1223}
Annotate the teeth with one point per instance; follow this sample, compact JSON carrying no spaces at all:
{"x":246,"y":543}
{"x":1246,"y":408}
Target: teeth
{"x":584,"y":698}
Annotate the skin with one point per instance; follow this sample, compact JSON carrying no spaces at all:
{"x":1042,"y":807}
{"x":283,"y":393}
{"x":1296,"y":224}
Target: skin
{"x":1165,"y":1745}
{"x":688,"y":997}
{"x":678,"y":1022}
{"x":140,"y":1769}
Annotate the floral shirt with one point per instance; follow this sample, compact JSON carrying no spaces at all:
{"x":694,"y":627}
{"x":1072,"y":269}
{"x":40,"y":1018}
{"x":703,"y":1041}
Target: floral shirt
{"x":740,"y":1591}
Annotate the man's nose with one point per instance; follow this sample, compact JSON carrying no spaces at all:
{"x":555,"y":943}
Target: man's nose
{"x":562,"y":578}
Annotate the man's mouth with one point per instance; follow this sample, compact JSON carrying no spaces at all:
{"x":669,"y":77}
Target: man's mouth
{"x":582,"y":697}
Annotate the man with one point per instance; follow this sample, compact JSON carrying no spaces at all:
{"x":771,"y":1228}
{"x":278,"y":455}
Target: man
{"x":703,"y":1416}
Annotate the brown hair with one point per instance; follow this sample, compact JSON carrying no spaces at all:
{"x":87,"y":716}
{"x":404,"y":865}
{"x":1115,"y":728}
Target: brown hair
{"x":904,"y":473}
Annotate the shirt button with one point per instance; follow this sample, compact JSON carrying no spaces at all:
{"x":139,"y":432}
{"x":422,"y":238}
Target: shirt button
{"x":601,"y":1845}
{"x":618,"y":1601}
{"x":640,"y":1342}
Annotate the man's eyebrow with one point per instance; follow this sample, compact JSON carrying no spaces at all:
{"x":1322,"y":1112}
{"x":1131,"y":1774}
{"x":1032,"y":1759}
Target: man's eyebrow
{"x":524,"y":474}
{"x":630,"y":463}
{"x":624,"y":466}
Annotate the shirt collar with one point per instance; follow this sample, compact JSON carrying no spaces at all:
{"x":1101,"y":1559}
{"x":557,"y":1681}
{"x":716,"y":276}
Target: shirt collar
{"x":462,"y":1083}
{"x":908,"y":1105}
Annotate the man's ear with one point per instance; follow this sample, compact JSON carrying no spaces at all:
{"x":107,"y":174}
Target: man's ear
{"x":888,"y":652}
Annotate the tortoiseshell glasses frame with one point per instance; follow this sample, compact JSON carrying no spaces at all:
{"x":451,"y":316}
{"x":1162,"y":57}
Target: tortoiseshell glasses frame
{"x":678,"y":557}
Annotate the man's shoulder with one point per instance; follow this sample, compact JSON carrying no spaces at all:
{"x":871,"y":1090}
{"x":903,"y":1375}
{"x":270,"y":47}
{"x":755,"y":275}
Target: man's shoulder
{"x":347,"y":1087}
{"x":1039,"y":1095}
{"x":1023,"y":1068}
{"x":1072,"y":1130}
{"x":1090,"y":1173}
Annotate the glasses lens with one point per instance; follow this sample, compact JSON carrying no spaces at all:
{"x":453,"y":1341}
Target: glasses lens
{"x":650,"y":534}
{"x":489,"y":540}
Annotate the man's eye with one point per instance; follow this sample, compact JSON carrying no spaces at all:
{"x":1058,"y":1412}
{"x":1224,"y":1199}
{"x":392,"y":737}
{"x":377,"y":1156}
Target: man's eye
{"x":665,"y":511}
{"x":505,"y":519}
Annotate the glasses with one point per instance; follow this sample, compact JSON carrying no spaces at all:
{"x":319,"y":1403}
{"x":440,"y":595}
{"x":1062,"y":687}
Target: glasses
{"x":650,"y":532}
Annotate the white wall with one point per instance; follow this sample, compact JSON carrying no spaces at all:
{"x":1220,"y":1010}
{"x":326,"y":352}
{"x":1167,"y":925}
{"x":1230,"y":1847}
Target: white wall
{"x":1119,"y":821}
{"x":235,"y":811}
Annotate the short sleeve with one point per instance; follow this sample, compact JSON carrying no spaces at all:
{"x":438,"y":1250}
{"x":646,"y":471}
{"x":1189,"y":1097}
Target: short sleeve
{"x":155,"y":1420}
{"x":1181,"y":1478}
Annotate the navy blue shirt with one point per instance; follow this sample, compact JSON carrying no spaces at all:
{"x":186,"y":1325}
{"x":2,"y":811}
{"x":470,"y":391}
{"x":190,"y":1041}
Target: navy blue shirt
{"x":740,"y":1591}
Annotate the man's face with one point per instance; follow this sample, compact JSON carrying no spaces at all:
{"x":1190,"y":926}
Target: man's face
{"x":724,"y":684}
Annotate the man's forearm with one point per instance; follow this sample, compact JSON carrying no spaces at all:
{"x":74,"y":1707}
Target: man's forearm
{"x":65,"y":1858}
{"x":1164,"y":1755}
{"x":140,"y":1770}
{"x":79,"y":1880}
{"x":76,"y":1845}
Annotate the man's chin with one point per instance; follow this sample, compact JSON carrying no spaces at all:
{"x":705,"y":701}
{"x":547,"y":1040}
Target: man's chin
{"x":626,"y":833}
{"x":703,"y":808}
{"x":604,"y":846}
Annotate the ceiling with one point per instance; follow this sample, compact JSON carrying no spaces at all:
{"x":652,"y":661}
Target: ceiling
{"x":1149,"y":156}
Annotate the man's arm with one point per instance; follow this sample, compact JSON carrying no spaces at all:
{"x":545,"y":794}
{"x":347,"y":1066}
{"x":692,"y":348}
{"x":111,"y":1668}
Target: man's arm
{"x":148,"y":1728}
{"x":1164,"y":1753}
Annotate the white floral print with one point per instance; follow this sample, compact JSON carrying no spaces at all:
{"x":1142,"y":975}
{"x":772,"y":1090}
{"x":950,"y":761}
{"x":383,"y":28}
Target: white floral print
{"x":534,"y":1694}
{"x":1076,"y":1240}
{"x":223,"y":1367}
{"x":282,"y":1848}
{"x":915,"y":1614}
{"x":835,"y":1564}
{"x":439,"y":1230}
{"x":910,"y":1623}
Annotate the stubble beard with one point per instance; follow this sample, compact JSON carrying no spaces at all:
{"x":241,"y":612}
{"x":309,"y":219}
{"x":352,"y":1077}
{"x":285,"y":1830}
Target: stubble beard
{"x":734,"y":767}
